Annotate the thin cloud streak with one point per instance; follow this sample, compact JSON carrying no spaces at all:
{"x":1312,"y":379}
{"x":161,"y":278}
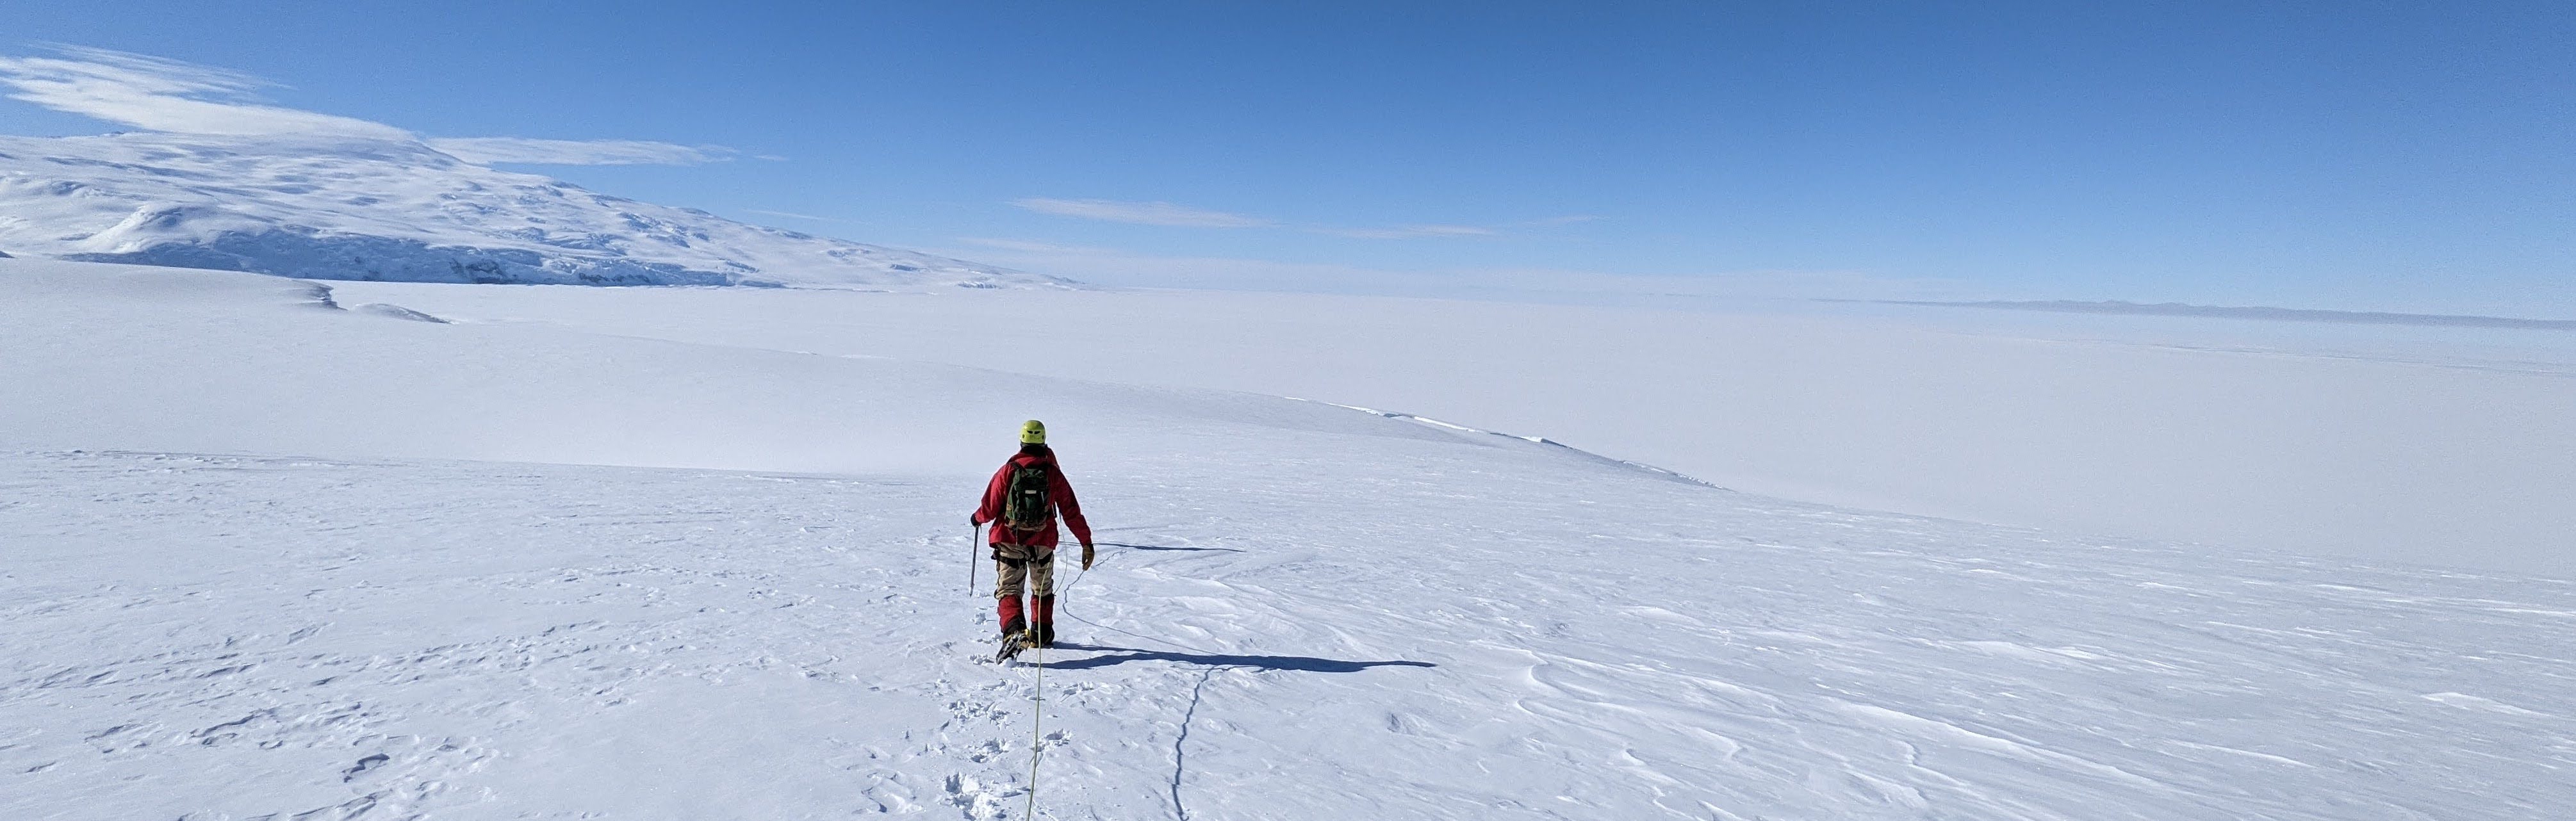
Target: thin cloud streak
{"x":1030,"y":246}
{"x":160,"y":94}
{"x":1140,"y":213}
{"x":166,"y":95}
{"x":1552,"y":222}
{"x":1183,"y":216}
{"x":529,"y":150}
{"x":791,"y":215}
{"x":1422,"y":231}
{"x":1409,"y":231}
{"x":1116,"y":267}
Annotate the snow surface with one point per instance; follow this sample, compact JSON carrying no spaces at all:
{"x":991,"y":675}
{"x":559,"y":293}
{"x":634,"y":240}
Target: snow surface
{"x":263,"y":561}
{"x":2443,"y":446}
{"x":352,"y":208}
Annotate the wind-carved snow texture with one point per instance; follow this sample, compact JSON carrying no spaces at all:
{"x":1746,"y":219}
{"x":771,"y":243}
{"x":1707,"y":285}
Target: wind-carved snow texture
{"x":354,"y":209}
{"x":542,"y":641}
{"x":1299,"y":611}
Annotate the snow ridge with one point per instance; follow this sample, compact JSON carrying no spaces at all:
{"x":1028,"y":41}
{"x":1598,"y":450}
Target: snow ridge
{"x":1535,"y":440}
{"x":350,"y":208}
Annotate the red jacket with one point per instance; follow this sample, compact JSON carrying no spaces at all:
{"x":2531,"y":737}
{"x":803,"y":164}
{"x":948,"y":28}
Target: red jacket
{"x":1058,"y":492}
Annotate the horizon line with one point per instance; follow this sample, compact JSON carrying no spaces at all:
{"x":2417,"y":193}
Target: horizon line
{"x":2243,"y":312}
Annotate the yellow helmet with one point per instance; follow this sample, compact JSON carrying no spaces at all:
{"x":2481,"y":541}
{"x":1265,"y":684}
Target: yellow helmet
{"x":1033,"y":432}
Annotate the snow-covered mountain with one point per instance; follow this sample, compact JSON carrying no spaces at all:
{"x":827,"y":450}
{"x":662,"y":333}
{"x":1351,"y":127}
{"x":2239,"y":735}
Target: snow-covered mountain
{"x":349,"y":208}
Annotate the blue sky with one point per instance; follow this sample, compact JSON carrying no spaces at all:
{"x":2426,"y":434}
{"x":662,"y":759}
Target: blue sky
{"x":2389,"y":156}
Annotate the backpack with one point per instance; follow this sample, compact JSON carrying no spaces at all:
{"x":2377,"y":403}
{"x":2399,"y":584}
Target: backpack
{"x":1025,"y":506}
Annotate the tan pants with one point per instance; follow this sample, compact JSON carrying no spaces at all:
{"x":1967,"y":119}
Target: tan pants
{"x":1008,"y":574}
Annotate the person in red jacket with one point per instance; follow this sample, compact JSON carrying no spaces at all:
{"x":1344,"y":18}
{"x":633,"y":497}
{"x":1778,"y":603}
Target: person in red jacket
{"x":1022,"y":502}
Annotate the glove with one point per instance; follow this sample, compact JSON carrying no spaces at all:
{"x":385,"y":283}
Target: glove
{"x":1086,"y":555}
{"x":976,"y":519}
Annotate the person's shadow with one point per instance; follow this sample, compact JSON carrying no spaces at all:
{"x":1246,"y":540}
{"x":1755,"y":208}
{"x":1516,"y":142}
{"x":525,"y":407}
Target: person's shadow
{"x":1303,"y":664}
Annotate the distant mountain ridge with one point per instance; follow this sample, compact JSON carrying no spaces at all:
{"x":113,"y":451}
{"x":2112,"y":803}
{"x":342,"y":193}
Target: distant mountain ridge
{"x":363,"y":209}
{"x":2249,"y":312}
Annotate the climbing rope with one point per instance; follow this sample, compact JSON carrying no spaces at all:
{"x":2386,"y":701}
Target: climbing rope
{"x":1037,"y":707}
{"x":1037,"y":717}
{"x":1037,"y":704}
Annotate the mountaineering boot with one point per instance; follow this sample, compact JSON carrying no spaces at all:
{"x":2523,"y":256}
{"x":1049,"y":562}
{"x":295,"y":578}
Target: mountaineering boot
{"x":1012,"y":644}
{"x":1012,"y":623}
{"x":1042,"y":622}
{"x":1015,"y":630}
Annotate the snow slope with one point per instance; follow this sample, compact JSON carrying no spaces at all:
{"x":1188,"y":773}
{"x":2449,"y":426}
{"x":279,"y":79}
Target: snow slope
{"x":2414,"y":445}
{"x":1302,"y":610}
{"x":350,"y":208}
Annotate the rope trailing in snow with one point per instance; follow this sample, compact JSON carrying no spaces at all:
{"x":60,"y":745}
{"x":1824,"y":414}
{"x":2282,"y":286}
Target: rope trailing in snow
{"x":1037,"y":717}
{"x":1037,"y":703}
{"x":1037,"y":708}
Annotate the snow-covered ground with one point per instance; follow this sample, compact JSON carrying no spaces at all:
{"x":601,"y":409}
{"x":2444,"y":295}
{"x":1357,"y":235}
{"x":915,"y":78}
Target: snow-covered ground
{"x":2405,"y":444}
{"x":273,"y":552}
{"x":357,"y":208}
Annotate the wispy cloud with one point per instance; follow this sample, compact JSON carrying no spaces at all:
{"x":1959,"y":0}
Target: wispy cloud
{"x":1029,"y":246}
{"x":1141,"y":213}
{"x":1183,"y":216}
{"x":1423,"y":231}
{"x":791,"y":215}
{"x":158,"y":94}
{"x":1111,"y":266}
{"x":1552,"y":222}
{"x":166,"y":95}
{"x":535,"y":151}
{"x":1410,"y":231}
